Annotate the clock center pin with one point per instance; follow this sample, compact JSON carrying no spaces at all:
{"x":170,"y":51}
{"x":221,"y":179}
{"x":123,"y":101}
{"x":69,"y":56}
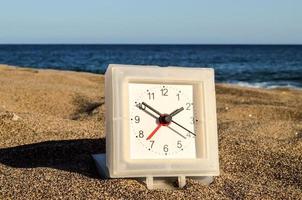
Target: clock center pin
{"x":165,"y":119}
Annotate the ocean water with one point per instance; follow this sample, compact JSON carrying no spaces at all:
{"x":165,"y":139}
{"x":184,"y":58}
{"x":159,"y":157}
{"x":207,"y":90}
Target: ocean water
{"x":266,"y":66}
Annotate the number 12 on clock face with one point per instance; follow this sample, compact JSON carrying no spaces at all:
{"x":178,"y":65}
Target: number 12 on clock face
{"x":162,"y":121}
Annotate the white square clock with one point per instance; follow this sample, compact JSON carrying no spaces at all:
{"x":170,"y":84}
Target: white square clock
{"x":160,"y":123}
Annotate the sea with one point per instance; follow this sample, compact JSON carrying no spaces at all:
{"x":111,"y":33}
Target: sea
{"x":261,"y":66}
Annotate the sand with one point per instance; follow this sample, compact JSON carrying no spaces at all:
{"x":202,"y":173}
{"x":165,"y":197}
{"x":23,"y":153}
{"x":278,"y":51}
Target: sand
{"x":52,"y":121}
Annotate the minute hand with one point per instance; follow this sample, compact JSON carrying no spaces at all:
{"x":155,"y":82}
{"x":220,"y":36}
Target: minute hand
{"x":183,"y":127}
{"x":157,"y":112}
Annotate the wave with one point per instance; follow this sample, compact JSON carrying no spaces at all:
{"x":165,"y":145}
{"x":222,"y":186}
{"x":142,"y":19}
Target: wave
{"x":266,"y":85}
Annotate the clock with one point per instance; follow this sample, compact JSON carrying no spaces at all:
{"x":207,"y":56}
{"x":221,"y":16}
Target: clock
{"x":160,"y":124}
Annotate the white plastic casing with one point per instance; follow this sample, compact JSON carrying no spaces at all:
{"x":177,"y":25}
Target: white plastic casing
{"x":118,"y":161}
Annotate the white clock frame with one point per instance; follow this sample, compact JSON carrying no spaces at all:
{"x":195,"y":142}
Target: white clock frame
{"x":117,"y":162}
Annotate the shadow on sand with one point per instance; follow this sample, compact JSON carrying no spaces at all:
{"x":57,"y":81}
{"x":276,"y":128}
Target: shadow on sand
{"x":68,"y":155}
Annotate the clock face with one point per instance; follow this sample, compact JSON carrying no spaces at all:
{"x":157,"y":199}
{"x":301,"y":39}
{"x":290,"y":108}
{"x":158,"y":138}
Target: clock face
{"x":161,"y":121}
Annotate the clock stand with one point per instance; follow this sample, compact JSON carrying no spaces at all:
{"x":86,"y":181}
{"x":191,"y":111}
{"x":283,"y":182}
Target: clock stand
{"x":152,"y":182}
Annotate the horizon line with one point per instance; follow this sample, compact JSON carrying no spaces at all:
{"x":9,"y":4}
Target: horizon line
{"x":150,"y":44}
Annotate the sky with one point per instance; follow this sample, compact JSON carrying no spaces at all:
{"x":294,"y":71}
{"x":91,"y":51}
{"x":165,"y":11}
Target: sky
{"x":151,"y":22}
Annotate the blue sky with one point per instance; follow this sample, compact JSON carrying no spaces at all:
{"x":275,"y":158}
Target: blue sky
{"x":156,"y":21}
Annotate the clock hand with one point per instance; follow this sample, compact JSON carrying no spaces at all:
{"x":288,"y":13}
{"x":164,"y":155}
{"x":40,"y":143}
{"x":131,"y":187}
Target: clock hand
{"x":154,"y":131}
{"x":175,"y":131}
{"x":157,"y":112}
{"x":159,"y":125}
{"x":149,"y":113}
{"x":183,"y":127}
{"x":164,"y":120}
{"x":175,"y":112}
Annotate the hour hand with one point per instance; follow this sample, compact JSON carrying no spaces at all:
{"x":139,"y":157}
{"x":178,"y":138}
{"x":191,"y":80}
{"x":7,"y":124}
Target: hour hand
{"x":175,"y":112}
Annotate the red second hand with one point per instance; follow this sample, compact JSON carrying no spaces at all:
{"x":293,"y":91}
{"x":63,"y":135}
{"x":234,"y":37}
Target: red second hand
{"x":154,"y":131}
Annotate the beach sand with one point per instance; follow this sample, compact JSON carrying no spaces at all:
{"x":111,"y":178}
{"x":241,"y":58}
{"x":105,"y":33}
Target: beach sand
{"x":52,"y":121}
